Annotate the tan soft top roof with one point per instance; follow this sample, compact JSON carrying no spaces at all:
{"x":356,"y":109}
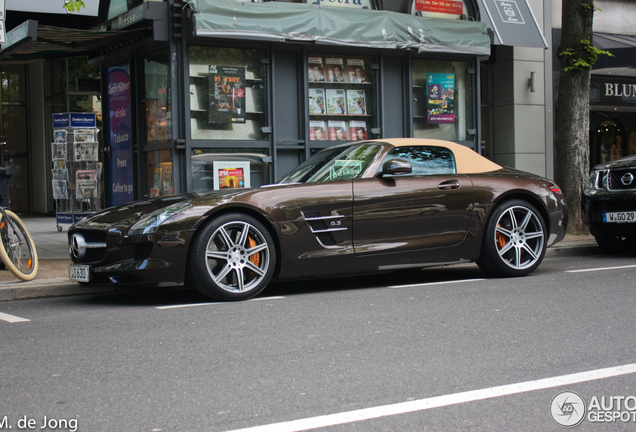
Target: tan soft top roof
{"x":468,"y":161}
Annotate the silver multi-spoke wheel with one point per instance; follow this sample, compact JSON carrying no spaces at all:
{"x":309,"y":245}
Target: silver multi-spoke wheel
{"x":237,"y":256}
{"x":514,"y":241}
{"x":232,"y":257}
{"x":519,"y":237}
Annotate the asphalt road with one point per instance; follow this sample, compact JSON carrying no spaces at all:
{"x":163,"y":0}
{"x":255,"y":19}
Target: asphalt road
{"x":442,"y":349}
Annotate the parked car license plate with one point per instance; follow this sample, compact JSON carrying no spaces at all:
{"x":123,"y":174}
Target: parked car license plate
{"x":620,"y":217}
{"x":78,"y":273}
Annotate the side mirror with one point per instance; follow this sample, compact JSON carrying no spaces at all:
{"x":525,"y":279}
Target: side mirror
{"x":395,"y":167}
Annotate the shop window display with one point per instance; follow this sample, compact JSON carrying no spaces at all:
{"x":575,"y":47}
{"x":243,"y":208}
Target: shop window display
{"x":341,"y":97}
{"x":226,"y":168}
{"x":442,"y":100}
{"x":227,"y":93}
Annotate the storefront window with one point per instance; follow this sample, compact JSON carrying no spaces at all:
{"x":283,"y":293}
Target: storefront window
{"x":632,"y":141}
{"x":214,"y":169}
{"x":160,"y":178}
{"x":158,"y":105}
{"x":608,"y":142}
{"x":442,"y":100}
{"x":227,"y":93}
{"x":341,"y":97}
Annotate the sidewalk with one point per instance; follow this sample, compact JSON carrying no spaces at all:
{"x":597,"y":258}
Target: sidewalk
{"x":52,"y":278}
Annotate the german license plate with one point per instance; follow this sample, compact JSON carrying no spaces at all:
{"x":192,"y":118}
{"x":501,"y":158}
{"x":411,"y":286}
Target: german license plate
{"x":620,"y":217}
{"x":78,"y":273}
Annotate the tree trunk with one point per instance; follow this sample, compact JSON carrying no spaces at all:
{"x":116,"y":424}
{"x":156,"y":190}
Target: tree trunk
{"x":573,"y":108}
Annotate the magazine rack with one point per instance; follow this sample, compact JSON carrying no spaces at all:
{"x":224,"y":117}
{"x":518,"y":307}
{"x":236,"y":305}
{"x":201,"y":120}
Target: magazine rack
{"x":77,"y":171}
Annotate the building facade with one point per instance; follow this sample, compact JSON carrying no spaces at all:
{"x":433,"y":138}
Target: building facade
{"x":206,"y":94}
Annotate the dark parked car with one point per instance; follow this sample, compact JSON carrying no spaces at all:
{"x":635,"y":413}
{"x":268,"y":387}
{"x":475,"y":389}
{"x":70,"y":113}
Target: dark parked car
{"x":608,"y":203}
{"x":359,"y":207}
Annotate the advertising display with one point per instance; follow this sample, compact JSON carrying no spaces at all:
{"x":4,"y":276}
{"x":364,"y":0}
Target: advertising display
{"x":440,"y":100}
{"x":231,"y":174}
{"x":227,"y":94}
{"x":120,"y":134}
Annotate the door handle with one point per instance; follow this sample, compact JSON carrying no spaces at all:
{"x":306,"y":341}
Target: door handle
{"x":449,"y":185}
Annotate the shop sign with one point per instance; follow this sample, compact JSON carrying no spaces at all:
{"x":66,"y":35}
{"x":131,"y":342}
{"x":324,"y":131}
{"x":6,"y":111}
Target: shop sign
{"x":448,"y":7}
{"x":3,"y":32}
{"x":509,"y":12}
{"x":616,"y":91}
{"x":120,"y":134}
{"x":359,"y":4}
{"x":620,"y":90}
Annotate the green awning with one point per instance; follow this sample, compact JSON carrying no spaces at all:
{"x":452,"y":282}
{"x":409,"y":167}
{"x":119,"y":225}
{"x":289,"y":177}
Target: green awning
{"x":279,"y":21}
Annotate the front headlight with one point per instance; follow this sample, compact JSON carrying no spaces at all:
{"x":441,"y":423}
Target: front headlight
{"x":597,"y":180}
{"x":150,"y":223}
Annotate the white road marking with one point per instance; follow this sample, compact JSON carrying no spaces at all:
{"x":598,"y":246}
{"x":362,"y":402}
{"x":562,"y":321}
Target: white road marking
{"x":12,"y":318}
{"x":600,"y":269}
{"x":434,"y":283}
{"x":212,"y":303}
{"x":439,"y":401}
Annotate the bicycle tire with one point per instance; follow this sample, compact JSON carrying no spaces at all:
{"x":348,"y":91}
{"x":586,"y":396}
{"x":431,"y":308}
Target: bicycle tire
{"x":17,"y":249}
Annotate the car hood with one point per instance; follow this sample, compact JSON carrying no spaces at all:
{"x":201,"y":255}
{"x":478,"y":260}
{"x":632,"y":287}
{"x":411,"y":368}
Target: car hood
{"x":626,"y":162}
{"x":123,"y":216}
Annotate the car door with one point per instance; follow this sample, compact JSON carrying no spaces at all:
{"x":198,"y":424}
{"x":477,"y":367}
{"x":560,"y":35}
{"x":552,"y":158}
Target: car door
{"x":430,"y":207}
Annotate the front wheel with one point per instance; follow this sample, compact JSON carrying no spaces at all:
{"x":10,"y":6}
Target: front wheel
{"x":17,"y":249}
{"x":515,"y":240}
{"x":232,"y":257}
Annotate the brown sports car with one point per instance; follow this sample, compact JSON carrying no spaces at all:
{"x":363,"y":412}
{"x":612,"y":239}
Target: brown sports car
{"x":360,"y":207}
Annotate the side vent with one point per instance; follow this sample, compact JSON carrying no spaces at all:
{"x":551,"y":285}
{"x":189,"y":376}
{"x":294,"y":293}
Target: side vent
{"x":320,"y":226}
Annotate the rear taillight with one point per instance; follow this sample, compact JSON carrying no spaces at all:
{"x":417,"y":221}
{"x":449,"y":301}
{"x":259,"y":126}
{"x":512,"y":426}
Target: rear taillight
{"x":555,"y":189}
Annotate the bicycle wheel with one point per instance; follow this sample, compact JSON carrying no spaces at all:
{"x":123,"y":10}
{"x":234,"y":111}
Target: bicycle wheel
{"x":17,"y":249}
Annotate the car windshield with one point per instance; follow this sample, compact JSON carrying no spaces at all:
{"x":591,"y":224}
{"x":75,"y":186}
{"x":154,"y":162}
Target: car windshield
{"x":336,"y":163}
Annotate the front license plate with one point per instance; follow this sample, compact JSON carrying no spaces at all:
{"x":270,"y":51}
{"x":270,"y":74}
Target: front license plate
{"x":78,"y":273}
{"x":620,"y":217}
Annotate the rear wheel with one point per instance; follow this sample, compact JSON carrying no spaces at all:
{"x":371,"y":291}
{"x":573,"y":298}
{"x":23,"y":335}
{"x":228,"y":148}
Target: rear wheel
{"x":515,"y":240}
{"x":17,"y":249}
{"x":232,"y":258}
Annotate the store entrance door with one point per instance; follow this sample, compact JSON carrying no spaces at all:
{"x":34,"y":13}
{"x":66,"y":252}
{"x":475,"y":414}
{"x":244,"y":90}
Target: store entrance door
{"x":14,"y":132}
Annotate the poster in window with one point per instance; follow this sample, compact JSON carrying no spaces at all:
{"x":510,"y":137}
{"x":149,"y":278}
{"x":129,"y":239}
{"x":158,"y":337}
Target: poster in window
{"x":358,"y":130}
{"x":316,"y":101}
{"x":315,"y":70}
{"x":357,"y":103}
{"x":335,"y":70}
{"x":227,"y":94}
{"x":336,"y":102}
{"x":317,"y":131}
{"x":356,"y":71}
{"x":337,"y":130}
{"x":231,"y":175}
{"x":440,"y":98}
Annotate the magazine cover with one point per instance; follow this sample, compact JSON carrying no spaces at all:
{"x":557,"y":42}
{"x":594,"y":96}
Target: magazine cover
{"x":337,"y":131}
{"x":60,"y":135}
{"x":335,"y":70}
{"x":60,"y":174}
{"x":83,"y":135}
{"x":59,"y":164}
{"x":316,"y":101}
{"x":86,"y":151}
{"x":315,"y":72}
{"x":336,"y":101}
{"x":59,"y":189}
{"x":167,"y":181}
{"x":317,"y":131}
{"x":85,"y":175}
{"x":86,"y":189}
{"x":356,"y":71}
{"x":357,"y":103}
{"x":58,"y":150}
{"x":358,"y":130}
{"x":231,"y":175}
{"x":227,"y":94}
{"x":440,"y":100}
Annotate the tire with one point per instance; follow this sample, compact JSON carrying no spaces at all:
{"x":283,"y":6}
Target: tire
{"x":515,"y":240}
{"x":17,"y":249}
{"x":232,"y":257}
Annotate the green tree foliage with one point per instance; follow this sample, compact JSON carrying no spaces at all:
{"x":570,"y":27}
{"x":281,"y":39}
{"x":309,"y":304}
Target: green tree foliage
{"x":73,"y":5}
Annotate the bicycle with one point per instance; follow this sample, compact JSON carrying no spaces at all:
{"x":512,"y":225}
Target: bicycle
{"x":17,"y":249}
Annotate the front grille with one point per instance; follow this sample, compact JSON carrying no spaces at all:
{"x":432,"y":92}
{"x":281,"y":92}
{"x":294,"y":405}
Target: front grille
{"x":621,"y":179}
